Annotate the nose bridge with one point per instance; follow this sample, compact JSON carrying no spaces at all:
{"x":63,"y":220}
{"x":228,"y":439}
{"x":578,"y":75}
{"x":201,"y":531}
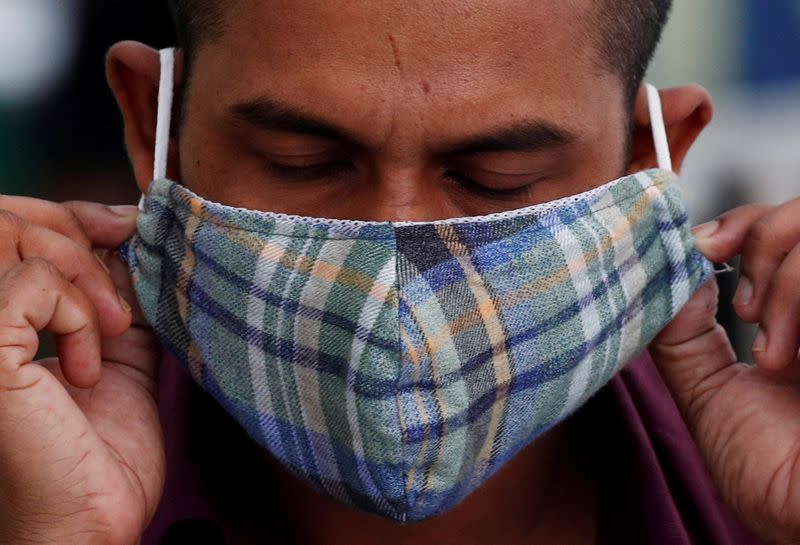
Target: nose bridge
{"x":400,"y":193}
{"x":402,"y":178}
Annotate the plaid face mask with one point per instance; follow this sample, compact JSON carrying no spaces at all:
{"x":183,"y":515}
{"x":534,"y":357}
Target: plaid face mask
{"x":396,"y":366}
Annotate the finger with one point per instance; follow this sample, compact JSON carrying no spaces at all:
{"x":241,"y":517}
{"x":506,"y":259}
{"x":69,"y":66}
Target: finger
{"x":136,"y":351}
{"x":787,"y":375}
{"x":34,"y":295}
{"x":88,"y":224}
{"x":47,"y":214}
{"x":121,"y":279}
{"x":768,"y":242}
{"x":724,"y":238}
{"x":106,"y":226}
{"x":82,"y":268}
{"x":778,"y":339}
{"x":692,"y":350}
{"x":20,"y":241}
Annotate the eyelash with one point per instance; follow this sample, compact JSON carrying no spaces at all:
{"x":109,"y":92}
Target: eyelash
{"x":310,"y":173}
{"x":291,"y":173}
{"x":471,"y":185}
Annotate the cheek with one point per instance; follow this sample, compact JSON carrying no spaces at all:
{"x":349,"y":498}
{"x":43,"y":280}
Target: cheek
{"x":208,"y":166}
{"x":203,"y":164}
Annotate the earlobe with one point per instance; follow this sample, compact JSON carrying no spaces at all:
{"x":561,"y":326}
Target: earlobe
{"x":687,"y":111}
{"x":133,"y":71}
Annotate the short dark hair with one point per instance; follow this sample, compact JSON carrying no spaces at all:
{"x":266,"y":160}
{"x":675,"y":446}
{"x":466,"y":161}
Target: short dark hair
{"x":196,"y":21}
{"x":628,"y":31}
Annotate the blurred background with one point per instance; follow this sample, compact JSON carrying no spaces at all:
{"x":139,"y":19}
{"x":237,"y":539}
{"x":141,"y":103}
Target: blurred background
{"x":61,"y":135}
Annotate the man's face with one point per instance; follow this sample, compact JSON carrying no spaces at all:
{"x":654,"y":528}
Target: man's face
{"x":401,"y":109}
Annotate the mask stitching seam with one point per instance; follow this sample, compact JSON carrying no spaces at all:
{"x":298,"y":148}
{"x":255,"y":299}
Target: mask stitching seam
{"x":223,"y":224}
{"x":398,"y":403}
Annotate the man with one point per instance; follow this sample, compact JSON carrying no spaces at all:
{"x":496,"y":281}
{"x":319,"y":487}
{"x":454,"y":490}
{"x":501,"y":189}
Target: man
{"x":355,"y":110}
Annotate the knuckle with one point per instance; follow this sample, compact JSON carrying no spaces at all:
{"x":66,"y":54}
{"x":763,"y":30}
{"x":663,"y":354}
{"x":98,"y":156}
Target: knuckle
{"x":10,"y":223}
{"x":40,"y":268}
{"x":760,"y":209}
{"x":71,"y":218}
{"x":30,"y":272}
{"x":17,"y":346}
{"x":761,"y":233}
{"x":17,"y":336}
{"x":787,"y":282}
{"x":70,"y":225}
{"x":746,"y":214}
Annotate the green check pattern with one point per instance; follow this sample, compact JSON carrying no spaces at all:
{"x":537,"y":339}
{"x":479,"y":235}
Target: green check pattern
{"x":397,"y":366}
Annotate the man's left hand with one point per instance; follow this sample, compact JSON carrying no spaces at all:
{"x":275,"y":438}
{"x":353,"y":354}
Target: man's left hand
{"x":746,"y":419}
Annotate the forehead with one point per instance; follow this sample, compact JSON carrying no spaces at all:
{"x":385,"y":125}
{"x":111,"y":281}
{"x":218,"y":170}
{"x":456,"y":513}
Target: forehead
{"x":389,"y":58}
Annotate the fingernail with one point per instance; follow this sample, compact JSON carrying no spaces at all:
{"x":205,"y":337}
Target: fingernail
{"x":706,"y":230}
{"x":760,"y":344}
{"x":744,"y":293}
{"x":102,"y":263}
{"x":125,"y":305}
{"x":125,"y":211}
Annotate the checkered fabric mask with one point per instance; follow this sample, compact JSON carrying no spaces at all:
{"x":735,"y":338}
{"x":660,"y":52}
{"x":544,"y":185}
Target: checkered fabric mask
{"x":396,"y":366}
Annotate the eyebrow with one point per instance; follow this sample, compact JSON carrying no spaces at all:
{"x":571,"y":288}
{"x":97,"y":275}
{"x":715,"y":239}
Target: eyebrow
{"x":526,"y":136}
{"x":273,"y":116}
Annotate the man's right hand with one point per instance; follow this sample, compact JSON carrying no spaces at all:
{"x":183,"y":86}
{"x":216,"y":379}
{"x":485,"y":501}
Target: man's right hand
{"x":81,"y":448}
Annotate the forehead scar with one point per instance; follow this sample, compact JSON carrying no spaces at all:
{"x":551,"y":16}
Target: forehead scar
{"x":396,"y":52}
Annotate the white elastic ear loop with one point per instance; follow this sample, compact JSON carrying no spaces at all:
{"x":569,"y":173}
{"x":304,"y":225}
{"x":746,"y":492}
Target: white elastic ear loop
{"x":659,"y":130}
{"x":166,"y":89}
{"x":662,"y":149}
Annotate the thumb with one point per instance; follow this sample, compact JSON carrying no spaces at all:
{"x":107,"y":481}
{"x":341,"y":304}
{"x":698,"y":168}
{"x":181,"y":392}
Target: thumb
{"x":723,"y":238}
{"x":105,"y":226}
{"x":692,"y":349}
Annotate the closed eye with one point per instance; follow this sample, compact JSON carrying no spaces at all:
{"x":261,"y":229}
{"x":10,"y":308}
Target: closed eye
{"x":474,"y":186}
{"x":307,"y":173}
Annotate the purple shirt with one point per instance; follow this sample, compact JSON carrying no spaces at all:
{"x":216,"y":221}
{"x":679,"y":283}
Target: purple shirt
{"x":654,"y":486}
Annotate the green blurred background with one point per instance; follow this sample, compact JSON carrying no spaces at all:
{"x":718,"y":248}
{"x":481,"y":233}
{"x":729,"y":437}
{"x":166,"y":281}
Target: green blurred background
{"x":61,"y":135}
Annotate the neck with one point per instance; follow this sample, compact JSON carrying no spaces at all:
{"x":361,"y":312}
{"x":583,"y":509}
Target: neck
{"x":543,"y":495}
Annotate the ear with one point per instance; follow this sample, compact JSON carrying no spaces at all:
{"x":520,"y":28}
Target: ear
{"x":687,"y":111}
{"x":134,"y":71}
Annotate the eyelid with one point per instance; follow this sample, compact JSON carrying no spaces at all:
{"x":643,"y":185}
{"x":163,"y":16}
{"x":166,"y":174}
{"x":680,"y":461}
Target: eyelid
{"x":296,"y":148}
{"x":499,"y":181}
{"x":318,"y":157}
{"x":504,"y":174}
{"x":301,"y":161}
{"x":470,"y":184}
{"x":311,"y":172}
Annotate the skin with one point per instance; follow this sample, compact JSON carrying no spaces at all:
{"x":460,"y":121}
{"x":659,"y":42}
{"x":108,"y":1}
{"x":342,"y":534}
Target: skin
{"x":410,"y":83}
